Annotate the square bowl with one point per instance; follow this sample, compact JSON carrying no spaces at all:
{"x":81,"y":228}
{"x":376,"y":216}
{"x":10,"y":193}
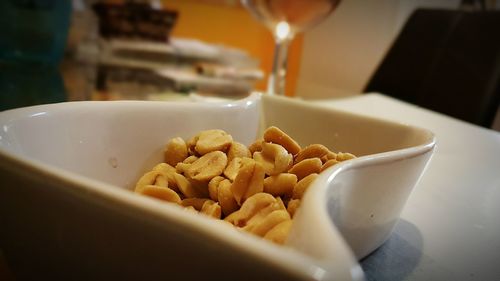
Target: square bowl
{"x":67,"y":210}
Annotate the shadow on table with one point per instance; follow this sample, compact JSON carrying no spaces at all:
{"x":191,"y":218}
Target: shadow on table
{"x":397,"y":257}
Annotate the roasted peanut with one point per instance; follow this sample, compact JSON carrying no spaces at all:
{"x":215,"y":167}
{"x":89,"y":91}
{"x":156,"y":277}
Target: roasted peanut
{"x":175,"y":151}
{"x":275,"y":135}
{"x":182,"y":166}
{"x":248,"y":181}
{"x":256,"y":146}
{"x":274,"y":158}
{"x":151,"y":178}
{"x":328,"y":164}
{"x":302,"y":185}
{"x":253,"y":205}
{"x":237,"y":150}
{"x":212,"y":140}
{"x":262,"y":225}
{"x":233,"y":167}
{"x":168,"y":171}
{"x":329,"y":156}
{"x":162,"y":193}
{"x":211,"y":208}
{"x":196,"y":203}
{"x":279,"y":232}
{"x":190,"y":188}
{"x":292,"y":207}
{"x":343,"y":156}
{"x":208,"y":166}
{"x":306,"y":167}
{"x":280,"y":185}
{"x":213,"y":187}
{"x":312,"y":151}
{"x":226,"y":198}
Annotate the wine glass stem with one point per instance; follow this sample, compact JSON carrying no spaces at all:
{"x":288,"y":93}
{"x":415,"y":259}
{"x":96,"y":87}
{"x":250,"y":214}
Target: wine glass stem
{"x":277,"y":77}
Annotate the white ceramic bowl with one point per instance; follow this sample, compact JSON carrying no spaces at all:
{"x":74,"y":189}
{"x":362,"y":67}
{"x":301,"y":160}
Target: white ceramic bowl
{"x":66,"y":210}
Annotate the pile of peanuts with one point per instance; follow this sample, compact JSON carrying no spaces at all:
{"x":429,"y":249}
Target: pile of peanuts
{"x":256,"y":188}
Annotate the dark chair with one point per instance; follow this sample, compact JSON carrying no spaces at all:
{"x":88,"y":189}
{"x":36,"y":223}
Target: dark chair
{"x":447,"y":61}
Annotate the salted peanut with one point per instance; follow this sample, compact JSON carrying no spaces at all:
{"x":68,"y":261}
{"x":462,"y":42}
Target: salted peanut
{"x":182,"y":166}
{"x":213,"y":140}
{"x":191,"y":144}
{"x":280,"y":204}
{"x":248,"y":181}
{"x":274,"y":158}
{"x":312,"y":151}
{"x":207,"y":167}
{"x":168,"y":171}
{"x":211,"y":209}
{"x":226,"y":198}
{"x":302,"y":185}
{"x":280,"y":185}
{"x":213,"y":187}
{"x":328,"y":164}
{"x":237,"y":150}
{"x":261,"y":225}
{"x":256,"y":146}
{"x":306,"y":167}
{"x":275,"y":135}
{"x":196,"y":203}
{"x":175,"y":151}
{"x":253,"y":205}
{"x":151,"y":178}
{"x":234,"y":166}
{"x":189,"y":188}
{"x":292,"y":207}
{"x":343,"y":156}
{"x":162,"y":193}
{"x":279,"y":232}
{"x":329,"y":156}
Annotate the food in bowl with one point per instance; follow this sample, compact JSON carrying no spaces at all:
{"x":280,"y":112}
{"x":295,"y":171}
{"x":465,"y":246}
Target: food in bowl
{"x":256,"y":188}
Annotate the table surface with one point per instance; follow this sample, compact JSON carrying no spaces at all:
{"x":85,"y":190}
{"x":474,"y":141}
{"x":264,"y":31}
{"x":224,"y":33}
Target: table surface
{"x":450,"y":227}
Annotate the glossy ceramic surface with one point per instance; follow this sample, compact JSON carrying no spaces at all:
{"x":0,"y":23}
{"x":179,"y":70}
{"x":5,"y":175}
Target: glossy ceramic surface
{"x":66,"y":169}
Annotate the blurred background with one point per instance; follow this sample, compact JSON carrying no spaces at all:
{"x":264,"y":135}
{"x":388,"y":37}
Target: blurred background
{"x":166,"y":49}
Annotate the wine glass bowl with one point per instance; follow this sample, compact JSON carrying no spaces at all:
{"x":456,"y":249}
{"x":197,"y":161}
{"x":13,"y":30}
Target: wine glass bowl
{"x":286,"y":18}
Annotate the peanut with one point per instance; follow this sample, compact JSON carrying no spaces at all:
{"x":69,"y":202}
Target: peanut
{"x":275,"y":135}
{"x":280,"y":185}
{"x":189,"y":188}
{"x":343,"y":156}
{"x":274,"y":158}
{"x":328,"y":164}
{"x":162,"y":193}
{"x":279,"y":232}
{"x":256,"y":146}
{"x":167,"y":171}
{"x":211,"y":208}
{"x":312,"y":151}
{"x":248,"y":181}
{"x":175,"y":151}
{"x":237,"y":150}
{"x":151,"y":178}
{"x":306,"y":167}
{"x":212,"y":140}
{"x":301,"y":187}
{"x":292,"y":207}
{"x":207,"y":167}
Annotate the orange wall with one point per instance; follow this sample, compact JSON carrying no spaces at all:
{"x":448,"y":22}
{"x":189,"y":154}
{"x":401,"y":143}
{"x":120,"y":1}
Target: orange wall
{"x":232,"y":25}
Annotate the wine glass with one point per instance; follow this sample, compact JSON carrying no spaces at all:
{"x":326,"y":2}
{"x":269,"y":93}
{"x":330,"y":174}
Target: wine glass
{"x":286,"y":18}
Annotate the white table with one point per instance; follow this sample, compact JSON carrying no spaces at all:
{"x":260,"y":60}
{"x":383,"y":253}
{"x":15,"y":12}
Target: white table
{"x":450,"y":227}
